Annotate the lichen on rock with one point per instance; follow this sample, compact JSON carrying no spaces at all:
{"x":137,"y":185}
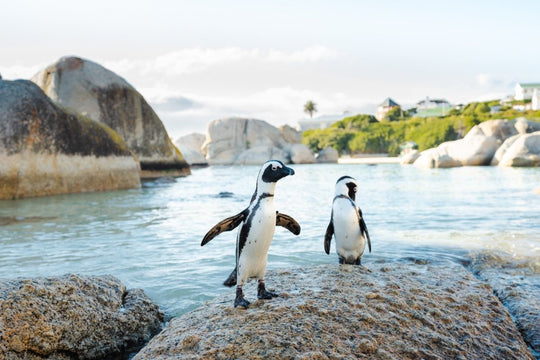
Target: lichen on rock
{"x":73,"y":316}
{"x":394,"y":311}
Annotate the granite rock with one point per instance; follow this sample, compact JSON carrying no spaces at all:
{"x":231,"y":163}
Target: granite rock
{"x":190,"y":146}
{"x":519,"y":150}
{"x":328,"y":155}
{"x":240,"y":141}
{"x":394,"y":311}
{"x":46,"y":150}
{"x":94,"y":91}
{"x":516,"y":282}
{"x":73,"y":317}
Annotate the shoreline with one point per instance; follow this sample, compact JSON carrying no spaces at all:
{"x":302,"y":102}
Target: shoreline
{"x":370,"y":159}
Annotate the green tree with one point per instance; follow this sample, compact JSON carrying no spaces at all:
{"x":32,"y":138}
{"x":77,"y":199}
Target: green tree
{"x":310,"y":107}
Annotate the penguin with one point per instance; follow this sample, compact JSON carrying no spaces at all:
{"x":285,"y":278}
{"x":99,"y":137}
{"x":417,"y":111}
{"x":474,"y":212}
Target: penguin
{"x":347,"y":224}
{"x":258,"y":222}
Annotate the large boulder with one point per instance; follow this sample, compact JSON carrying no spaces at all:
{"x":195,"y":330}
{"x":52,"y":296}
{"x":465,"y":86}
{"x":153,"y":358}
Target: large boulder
{"x":396,"y":311}
{"x":73,"y":317}
{"x":327,"y":155}
{"x":290,"y":134}
{"x":301,"y":154}
{"x":90,"y":89}
{"x":45,"y":150}
{"x":519,"y":150}
{"x":476,"y":148}
{"x":241,"y":141}
{"x":190,"y":146}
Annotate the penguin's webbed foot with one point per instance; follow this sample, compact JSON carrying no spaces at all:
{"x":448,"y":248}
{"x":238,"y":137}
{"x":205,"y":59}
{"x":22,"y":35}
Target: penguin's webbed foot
{"x":264,"y":294}
{"x":239,"y":300}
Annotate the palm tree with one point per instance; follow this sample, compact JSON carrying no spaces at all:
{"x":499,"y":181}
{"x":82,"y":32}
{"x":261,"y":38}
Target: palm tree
{"x":310,"y":107}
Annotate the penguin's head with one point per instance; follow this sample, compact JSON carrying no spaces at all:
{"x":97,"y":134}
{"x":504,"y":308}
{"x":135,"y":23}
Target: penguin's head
{"x":347,"y":186}
{"x":273,"y":170}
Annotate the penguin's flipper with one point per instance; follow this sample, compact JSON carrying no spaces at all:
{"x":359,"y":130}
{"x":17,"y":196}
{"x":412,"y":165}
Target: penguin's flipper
{"x":328,"y":237}
{"x":363,"y":228}
{"x":288,"y":223}
{"x":224,"y":225}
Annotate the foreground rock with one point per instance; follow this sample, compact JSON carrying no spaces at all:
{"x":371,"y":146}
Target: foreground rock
{"x":73,"y":317}
{"x":45,"y":150}
{"x":517,"y":284}
{"x":239,"y":141}
{"x":396,"y":311}
{"x":91,"y":90}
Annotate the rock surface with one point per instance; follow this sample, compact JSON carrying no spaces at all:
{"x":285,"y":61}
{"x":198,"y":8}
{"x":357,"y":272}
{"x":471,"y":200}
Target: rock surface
{"x":91,"y":90}
{"x":396,"y":311}
{"x":519,"y":150}
{"x":240,"y":141}
{"x":517,"y":284}
{"x":45,"y":150}
{"x":301,"y":154}
{"x":328,"y":155}
{"x":73,"y":317}
{"x":190,"y":146}
{"x":482,"y":146}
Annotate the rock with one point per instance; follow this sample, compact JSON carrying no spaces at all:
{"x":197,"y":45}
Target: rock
{"x":523,"y":126}
{"x":243,"y":141}
{"x":396,"y":311}
{"x":516,"y":282}
{"x":45,"y":150}
{"x":500,"y":129}
{"x":90,"y":89}
{"x":73,"y":317}
{"x":190,"y":146}
{"x":290,"y":134}
{"x":474,"y":149}
{"x":301,"y":154}
{"x":519,"y":150}
{"x":410,"y":157}
{"x":328,"y":155}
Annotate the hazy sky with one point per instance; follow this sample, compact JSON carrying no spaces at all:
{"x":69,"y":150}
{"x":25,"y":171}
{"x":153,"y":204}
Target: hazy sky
{"x":196,"y":61}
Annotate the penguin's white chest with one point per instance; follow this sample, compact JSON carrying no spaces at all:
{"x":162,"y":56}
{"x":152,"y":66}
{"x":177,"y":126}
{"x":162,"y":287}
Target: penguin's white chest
{"x":253,"y":258}
{"x":349,"y":239}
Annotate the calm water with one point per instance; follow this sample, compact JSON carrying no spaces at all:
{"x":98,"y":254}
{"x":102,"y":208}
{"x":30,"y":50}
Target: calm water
{"x":150,"y":237}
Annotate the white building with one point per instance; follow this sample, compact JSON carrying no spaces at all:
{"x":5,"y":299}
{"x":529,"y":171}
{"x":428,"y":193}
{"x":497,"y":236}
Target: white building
{"x":387,"y":105}
{"x":525,"y":91}
{"x":321,"y":122}
{"x":433,"y":107}
{"x":535,"y":100}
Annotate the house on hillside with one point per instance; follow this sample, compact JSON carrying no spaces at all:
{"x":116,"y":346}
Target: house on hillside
{"x":524,"y":91}
{"x":432,"y":107}
{"x":387,"y":105}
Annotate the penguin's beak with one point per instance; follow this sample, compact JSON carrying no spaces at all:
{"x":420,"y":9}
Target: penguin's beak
{"x":287,"y":171}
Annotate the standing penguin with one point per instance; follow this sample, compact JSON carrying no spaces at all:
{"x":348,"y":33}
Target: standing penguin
{"x":258,"y":221}
{"x":347,"y":224}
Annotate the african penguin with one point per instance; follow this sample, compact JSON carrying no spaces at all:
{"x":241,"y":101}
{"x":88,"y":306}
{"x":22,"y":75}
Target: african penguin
{"x":347,"y":224}
{"x":258,"y":221}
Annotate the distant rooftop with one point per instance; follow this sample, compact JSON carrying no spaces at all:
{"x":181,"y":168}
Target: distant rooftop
{"x":388,"y":102}
{"x":529,"y":85}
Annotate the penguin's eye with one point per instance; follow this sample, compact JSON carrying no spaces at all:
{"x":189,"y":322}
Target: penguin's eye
{"x":274,"y":167}
{"x":355,"y":189}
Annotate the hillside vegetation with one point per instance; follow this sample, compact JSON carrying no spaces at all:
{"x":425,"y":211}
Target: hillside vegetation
{"x":364,"y":134}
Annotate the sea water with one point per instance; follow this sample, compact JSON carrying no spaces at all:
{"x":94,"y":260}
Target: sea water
{"x":150,"y":237}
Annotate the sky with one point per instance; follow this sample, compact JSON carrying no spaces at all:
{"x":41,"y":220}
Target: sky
{"x":198,"y":61}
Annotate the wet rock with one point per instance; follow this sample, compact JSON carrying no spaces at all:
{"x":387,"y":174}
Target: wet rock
{"x":96,"y":92}
{"x":519,"y":150}
{"x":46,"y":150}
{"x":516,"y":282}
{"x":328,"y":155}
{"x":410,"y":157}
{"x":190,"y":146}
{"x":393,"y":311}
{"x":73,"y":317}
{"x":240,"y":141}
